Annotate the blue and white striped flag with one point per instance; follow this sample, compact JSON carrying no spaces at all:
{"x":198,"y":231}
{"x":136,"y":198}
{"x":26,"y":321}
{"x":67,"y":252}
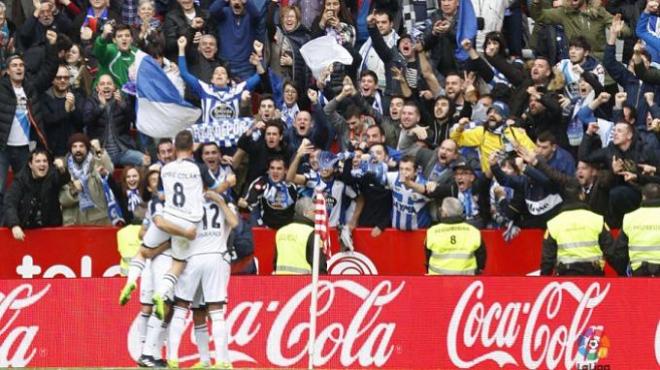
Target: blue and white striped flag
{"x":161,"y":110}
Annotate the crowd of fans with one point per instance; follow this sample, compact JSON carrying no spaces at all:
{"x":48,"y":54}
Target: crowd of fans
{"x":549,"y":93}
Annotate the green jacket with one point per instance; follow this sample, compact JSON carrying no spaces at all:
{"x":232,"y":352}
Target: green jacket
{"x":590,"y":23}
{"x":113,"y":62}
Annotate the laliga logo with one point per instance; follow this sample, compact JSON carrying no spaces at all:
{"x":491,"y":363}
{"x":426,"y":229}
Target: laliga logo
{"x":20,"y":338}
{"x":363,"y":340}
{"x":592,"y":348}
{"x":351,"y":263}
{"x":500,"y":325}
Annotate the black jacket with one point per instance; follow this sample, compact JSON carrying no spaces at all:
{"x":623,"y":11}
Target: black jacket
{"x":596,"y":196}
{"x":32,"y":203}
{"x":590,"y":151}
{"x":442,"y":46}
{"x":74,"y":32}
{"x":34,"y":86}
{"x":60,"y":124}
{"x":550,"y":119}
{"x":201,"y":68}
{"x":260,"y":155}
{"x":119,"y":115}
{"x":177,"y":25}
{"x":480,"y":189}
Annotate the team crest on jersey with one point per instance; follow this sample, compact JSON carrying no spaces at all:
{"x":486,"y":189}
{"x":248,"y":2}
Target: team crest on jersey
{"x":223,"y":111}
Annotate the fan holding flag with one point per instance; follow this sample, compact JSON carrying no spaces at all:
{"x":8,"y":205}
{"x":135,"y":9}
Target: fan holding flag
{"x":295,"y":242}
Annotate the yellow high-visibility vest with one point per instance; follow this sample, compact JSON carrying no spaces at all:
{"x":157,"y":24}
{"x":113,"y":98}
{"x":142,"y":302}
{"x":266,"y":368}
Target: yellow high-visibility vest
{"x":128,"y":244}
{"x":576,"y":233}
{"x":452,"y":249}
{"x":291,"y":242}
{"x":643,"y":230}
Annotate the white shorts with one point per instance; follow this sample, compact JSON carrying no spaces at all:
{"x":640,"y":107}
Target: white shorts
{"x":180,"y":246}
{"x":210,"y":272}
{"x":152,"y":274}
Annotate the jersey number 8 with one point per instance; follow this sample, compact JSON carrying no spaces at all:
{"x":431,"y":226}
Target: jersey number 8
{"x":179,"y":198}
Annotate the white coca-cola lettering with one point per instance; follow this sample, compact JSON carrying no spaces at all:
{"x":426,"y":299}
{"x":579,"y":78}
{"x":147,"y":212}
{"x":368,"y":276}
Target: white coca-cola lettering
{"x":28,"y":269}
{"x":499,"y":326}
{"x":376,"y":349}
{"x":289,"y":332}
{"x":19,"y":338}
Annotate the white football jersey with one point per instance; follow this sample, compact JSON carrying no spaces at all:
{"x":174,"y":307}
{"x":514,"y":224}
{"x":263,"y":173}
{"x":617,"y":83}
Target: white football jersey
{"x":212,"y":232}
{"x":183,"y":184}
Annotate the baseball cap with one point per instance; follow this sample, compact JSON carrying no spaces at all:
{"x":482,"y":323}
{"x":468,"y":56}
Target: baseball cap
{"x":461,"y":164}
{"x":501,"y":108}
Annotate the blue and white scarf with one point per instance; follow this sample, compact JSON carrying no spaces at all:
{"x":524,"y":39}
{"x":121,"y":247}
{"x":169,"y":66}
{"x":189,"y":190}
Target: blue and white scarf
{"x":114,"y":211}
{"x":81,"y":173}
{"x":134,"y":199}
{"x":277,"y":195}
{"x":289,"y":114}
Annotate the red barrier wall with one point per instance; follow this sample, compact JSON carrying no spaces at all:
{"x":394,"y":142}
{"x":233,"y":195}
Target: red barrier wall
{"x":92,"y":252}
{"x":410,"y":322}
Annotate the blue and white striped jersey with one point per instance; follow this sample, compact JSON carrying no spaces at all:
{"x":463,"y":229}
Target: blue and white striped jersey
{"x":409,"y":211}
{"x":220,"y":107}
{"x":335,"y":193}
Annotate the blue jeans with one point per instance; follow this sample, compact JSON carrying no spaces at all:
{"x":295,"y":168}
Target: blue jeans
{"x":128,"y":157}
{"x":16,"y":157}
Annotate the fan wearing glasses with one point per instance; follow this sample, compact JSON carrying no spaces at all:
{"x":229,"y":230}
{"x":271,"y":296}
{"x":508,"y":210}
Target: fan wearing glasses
{"x":63,"y":113}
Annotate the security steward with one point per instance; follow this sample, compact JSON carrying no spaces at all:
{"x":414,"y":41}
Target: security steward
{"x":639,"y":240}
{"x":454,"y":247}
{"x":576,"y":240}
{"x":295,"y":243}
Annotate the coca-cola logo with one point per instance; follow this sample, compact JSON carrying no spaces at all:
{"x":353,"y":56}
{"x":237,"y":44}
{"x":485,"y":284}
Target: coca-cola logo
{"x":499,"y":327}
{"x":351,"y":263}
{"x":364,"y":341}
{"x":17,"y":338}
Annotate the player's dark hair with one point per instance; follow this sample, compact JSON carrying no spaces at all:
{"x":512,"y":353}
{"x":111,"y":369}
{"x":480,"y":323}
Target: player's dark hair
{"x":183,"y":141}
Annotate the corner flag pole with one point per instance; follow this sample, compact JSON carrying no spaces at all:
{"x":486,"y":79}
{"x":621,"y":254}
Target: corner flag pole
{"x":320,"y":230}
{"x":313,"y":306}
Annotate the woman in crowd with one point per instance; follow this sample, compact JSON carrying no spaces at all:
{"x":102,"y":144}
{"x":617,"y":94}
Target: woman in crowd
{"x":81,"y":78}
{"x":131,"y":196}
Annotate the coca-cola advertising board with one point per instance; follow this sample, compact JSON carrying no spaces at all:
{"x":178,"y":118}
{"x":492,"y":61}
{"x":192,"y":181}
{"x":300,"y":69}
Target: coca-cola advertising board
{"x":367,"y":321}
{"x":92,"y":252}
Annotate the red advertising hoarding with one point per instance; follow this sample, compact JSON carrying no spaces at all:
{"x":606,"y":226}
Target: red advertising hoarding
{"x":368,"y":321}
{"x":92,"y":252}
